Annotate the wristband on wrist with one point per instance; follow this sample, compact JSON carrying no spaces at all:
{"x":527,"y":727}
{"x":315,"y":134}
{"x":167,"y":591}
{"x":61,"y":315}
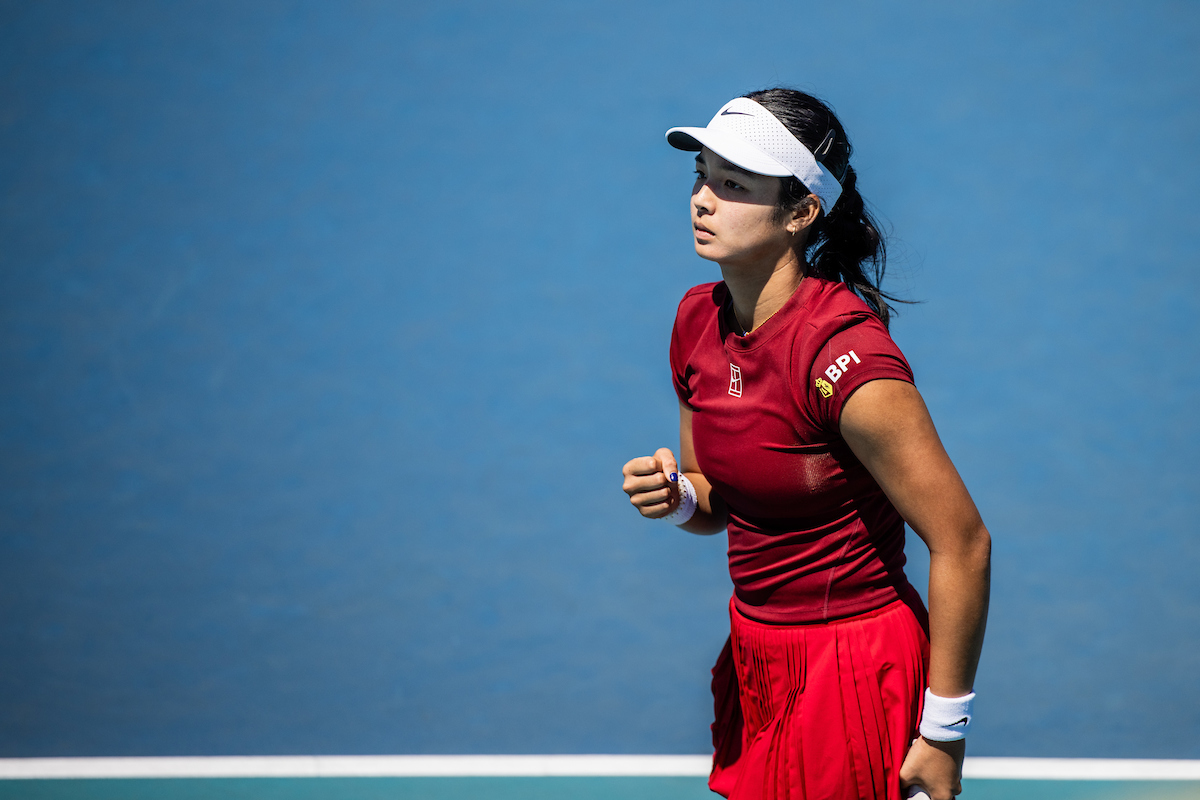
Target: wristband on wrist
{"x":946,"y":719}
{"x":687,"y":502}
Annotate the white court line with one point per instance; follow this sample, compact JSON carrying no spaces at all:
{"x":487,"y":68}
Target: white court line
{"x":355,"y":766}
{"x":538,"y":766}
{"x":1083,"y":769}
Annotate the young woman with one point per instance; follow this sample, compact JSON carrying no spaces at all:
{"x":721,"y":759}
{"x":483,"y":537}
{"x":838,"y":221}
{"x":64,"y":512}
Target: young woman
{"x":802,"y":435}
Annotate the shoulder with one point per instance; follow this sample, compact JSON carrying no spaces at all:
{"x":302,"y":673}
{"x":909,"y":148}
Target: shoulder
{"x":833,"y":305}
{"x":706,"y":295}
{"x":832,"y":312}
{"x":845,"y":345}
{"x":700,"y":304}
{"x":696,"y":333}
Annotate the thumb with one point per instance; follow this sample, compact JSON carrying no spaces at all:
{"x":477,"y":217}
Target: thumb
{"x":670,"y":466}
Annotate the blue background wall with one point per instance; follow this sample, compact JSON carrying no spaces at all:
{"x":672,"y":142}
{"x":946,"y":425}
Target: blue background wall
{"x":326,"y":328}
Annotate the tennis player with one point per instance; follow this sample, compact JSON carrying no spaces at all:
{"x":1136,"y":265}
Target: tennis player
{"x":803,"y":436}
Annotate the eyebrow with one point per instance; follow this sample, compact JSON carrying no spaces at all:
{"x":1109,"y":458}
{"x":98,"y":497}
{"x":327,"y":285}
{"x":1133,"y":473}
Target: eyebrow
{"x":729,"y":165}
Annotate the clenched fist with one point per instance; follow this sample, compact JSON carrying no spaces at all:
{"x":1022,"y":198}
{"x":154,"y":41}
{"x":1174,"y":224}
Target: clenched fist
{"x":652,"y":483}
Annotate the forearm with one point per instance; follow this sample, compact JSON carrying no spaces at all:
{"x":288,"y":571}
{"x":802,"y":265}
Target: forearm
{"x":959,"y":585}
{"x":959,"y":569}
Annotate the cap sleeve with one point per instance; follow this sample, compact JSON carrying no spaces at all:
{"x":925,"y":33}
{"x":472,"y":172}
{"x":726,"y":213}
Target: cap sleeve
{"x":859,"y":350}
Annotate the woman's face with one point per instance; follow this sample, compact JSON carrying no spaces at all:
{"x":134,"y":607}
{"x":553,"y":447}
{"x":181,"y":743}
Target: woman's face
{"x":733,"y":214}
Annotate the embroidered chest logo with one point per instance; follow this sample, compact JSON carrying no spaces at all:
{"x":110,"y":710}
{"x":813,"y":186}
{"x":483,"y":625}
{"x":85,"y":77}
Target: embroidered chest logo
{"x":735,"y":380}
{"x":841,"y":365}
{"x":825,"y":386}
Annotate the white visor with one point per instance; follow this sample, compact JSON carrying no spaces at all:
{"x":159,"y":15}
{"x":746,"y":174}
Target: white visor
{"x":746,"y":134}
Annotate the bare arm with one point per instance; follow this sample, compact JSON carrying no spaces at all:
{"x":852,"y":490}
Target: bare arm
{"x":889,"y":428}
{"x":652,"y":492}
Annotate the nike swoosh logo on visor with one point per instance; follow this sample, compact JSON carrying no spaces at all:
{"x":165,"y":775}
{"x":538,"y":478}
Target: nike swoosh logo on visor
{"x":726,"y":112}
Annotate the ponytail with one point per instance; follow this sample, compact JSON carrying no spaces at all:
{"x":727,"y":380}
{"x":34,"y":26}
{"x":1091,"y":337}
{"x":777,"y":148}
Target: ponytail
{"x":844,"y":244}
{"x":847,"y":246}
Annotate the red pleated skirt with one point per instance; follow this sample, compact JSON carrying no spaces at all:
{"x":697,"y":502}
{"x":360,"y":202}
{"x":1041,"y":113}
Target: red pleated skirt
{"x":825,"y":711}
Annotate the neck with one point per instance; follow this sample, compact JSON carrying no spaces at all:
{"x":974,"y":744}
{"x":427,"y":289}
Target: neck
{"x":757,"y":293}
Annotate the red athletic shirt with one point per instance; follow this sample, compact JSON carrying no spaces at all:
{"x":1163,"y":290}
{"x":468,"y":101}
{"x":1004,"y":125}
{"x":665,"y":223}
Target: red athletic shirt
{"x":812,"y":537}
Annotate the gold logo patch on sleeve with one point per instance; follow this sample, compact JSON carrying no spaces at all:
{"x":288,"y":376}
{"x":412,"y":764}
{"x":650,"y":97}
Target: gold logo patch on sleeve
{"x":825,"y":386}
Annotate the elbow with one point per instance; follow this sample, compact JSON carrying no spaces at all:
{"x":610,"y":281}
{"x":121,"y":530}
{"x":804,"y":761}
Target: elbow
{"x":976,"y":556}
{"x":981,"y":546}
{"x":977,"y":543}
{"x":971,"y":548}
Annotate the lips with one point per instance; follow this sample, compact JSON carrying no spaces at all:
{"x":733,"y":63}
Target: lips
{"x":702,"y":231}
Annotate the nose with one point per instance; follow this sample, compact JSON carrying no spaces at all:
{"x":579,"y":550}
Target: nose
{"x":703,"y":199}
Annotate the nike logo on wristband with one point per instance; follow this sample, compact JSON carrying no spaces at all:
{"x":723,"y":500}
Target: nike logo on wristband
{"x":962,"y":721}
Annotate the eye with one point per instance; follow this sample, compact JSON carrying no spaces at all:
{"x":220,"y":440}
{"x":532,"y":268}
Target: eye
{"x":734,"y":185}
{"x":700,"y":175}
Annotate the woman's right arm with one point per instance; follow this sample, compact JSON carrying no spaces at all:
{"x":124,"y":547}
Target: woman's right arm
{"x":655,"y":495}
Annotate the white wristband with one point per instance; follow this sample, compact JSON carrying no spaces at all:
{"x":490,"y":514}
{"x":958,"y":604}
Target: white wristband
{"x":946,"y":719}
{"x":687,"y":502}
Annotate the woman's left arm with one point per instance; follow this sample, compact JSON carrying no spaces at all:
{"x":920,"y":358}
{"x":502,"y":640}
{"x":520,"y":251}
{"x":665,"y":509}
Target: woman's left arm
{"x":888,"y":427}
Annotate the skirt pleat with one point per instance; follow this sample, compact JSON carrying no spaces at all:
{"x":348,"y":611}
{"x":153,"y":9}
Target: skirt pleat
{"x":818,"y":712}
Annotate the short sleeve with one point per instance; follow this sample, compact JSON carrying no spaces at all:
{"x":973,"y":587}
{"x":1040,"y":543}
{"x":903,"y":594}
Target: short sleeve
{"x":695,"y":316}
{"x":680,"y":369}
{"x":858,"y":351}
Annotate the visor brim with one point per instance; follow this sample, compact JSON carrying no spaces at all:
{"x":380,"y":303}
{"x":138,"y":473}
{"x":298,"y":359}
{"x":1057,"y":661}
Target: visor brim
{"x":728,"y":146}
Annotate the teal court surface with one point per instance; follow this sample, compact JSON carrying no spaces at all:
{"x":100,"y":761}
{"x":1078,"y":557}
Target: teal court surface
{"x":532,"y":778}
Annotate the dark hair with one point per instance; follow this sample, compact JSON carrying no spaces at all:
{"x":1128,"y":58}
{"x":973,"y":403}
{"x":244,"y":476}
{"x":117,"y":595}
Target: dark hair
{"x":847,"y":239}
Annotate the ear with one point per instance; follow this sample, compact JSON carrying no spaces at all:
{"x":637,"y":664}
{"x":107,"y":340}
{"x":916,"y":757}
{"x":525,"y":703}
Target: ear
{"x":804,"y":214}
